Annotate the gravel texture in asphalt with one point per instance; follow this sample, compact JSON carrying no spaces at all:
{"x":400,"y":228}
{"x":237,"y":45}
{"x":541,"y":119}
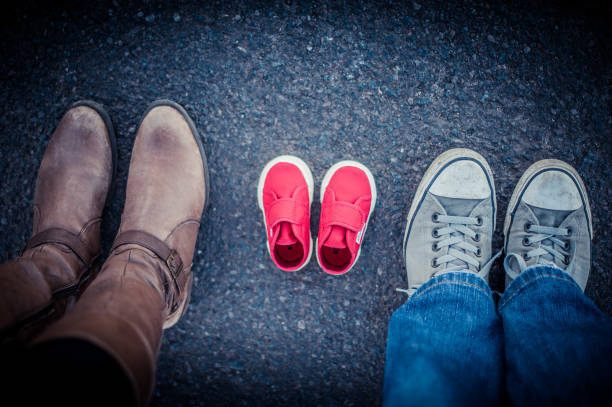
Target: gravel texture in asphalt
{"x":391,"y":85}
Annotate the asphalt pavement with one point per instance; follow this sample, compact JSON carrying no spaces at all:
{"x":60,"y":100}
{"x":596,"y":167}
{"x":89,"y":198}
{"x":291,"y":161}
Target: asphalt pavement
{"x":390,"y":84}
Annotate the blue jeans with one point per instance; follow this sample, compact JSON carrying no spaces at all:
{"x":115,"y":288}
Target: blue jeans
{"x":545,"y":344}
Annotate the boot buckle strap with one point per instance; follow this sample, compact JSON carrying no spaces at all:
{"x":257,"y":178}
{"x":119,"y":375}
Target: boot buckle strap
{"x":66,"y":238}
{"x":174,"y":263}
{"x":159,"y":248}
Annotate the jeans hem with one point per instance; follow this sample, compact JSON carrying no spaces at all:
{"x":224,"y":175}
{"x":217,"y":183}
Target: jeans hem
{"x":530,"y":276}
{"x":458,"y":278}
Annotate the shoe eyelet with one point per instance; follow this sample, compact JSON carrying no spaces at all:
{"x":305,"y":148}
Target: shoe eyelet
{"x":525,"y":256}
{"x":478,"y":252}
{"x":527,"y":227}
{"x":435,"y":247}
{"x":566,"y":260}
{"x":476,"y":237}
{"x":566,"y":245}
{"x":435,"y":217}
{"x":569,"y":231}
{"x":478,"y":220}
{"x":526,"y":241}
{"x":435,"y":233}
{"x":434,"y":263}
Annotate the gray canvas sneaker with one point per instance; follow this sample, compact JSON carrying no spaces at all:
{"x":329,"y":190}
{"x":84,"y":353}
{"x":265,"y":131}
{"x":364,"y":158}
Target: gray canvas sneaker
{"x":451,"y":221}
{"x":548,"y":222}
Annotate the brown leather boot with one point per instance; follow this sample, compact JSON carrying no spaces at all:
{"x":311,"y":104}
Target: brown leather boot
{"x":145,"y":284}
{"x":73,"y":184}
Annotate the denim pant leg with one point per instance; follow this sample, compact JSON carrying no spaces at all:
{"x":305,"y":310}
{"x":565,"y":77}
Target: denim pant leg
{"x":444,"y":346}
{"x":558,"y":344}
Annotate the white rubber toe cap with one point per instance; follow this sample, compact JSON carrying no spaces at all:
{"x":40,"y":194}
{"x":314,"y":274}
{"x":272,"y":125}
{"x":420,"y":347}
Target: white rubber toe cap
{"x":463,"y":179}
{"x":553,"y":190}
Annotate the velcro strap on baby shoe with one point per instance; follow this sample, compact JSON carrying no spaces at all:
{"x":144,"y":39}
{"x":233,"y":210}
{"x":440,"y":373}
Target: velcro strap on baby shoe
{"x":286,"y":210}
{"x":343,"y":214}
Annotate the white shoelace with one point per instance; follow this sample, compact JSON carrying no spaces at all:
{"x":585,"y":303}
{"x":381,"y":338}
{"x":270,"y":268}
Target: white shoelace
{"x":547,"y":235}
{"x":459,"y":248}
